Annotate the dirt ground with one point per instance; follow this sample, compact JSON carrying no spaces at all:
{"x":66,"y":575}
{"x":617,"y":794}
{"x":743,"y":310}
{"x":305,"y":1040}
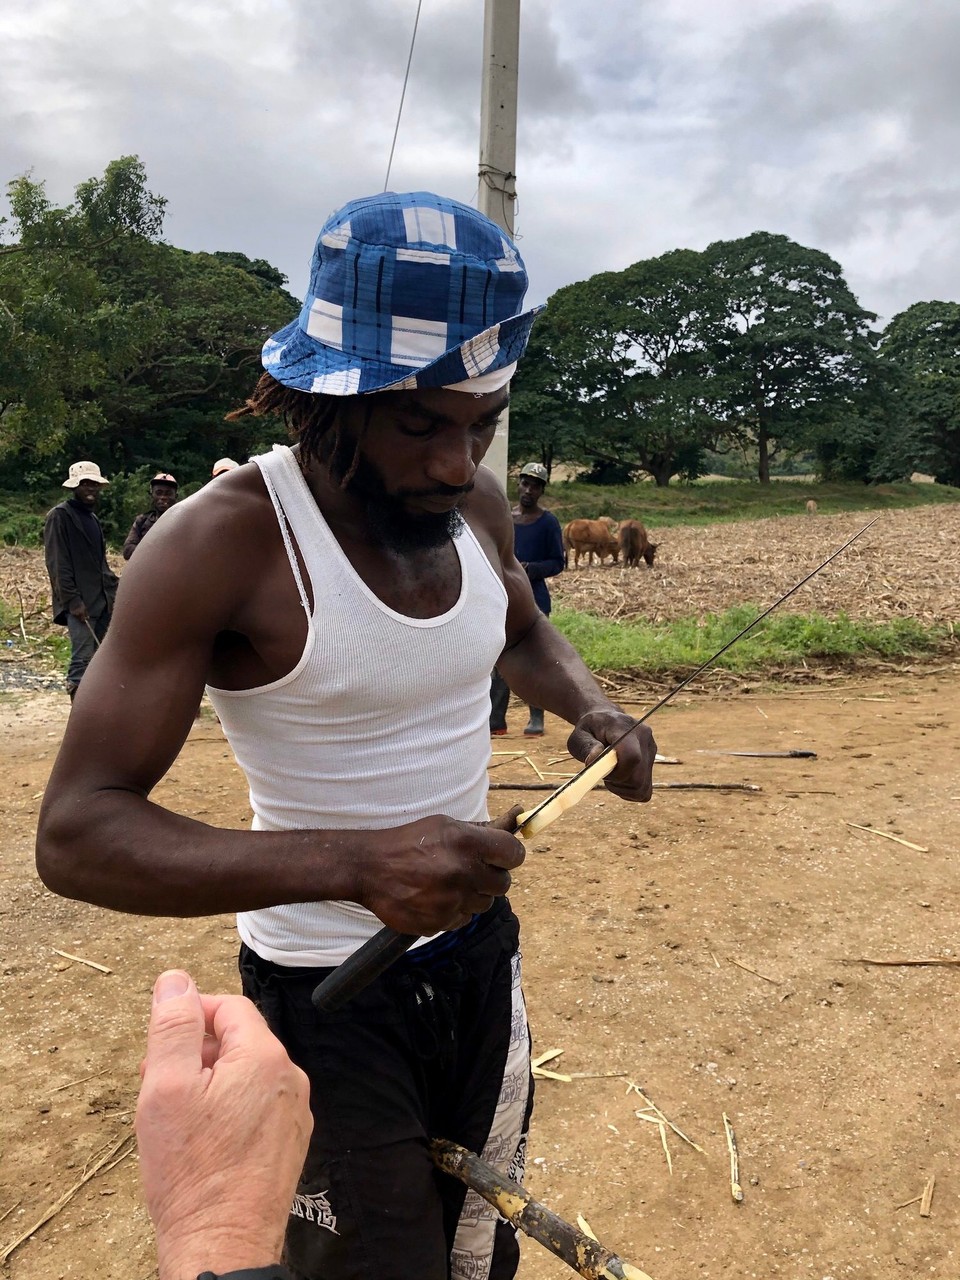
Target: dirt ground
{"x":708,"y":947}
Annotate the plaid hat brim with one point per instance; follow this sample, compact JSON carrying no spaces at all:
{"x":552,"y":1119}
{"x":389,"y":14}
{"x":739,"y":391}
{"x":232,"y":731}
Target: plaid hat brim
{"x":300,"y":361}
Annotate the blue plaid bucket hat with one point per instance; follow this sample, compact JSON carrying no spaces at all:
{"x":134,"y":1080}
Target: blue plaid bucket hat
{"x":406,"y":291}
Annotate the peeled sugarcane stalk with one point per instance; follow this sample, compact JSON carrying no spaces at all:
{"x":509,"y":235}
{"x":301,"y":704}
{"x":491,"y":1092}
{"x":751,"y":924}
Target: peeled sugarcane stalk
{"x":534,"y":820}
{"x":587,"y":1257}
{"x":657,"y":786}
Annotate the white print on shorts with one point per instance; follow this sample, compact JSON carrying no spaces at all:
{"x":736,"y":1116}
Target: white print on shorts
{"x":315,"y":1208}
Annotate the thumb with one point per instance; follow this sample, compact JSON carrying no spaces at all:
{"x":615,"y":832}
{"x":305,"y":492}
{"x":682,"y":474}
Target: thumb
{"x":176,"y":1031}
{"x":507,"y":821}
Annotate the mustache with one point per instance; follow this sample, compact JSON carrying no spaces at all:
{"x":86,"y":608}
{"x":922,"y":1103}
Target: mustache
{"x":438,"y":491}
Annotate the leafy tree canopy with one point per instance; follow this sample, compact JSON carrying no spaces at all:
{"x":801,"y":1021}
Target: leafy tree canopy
{"x":625,"y":362}
{"x":920,"y":349}
{"x":796,"y":349}
{"x":117,"y":346}
{"x":754,"y":342}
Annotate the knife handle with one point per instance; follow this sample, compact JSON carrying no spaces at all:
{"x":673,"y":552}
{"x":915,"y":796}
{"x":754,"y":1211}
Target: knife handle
{"x":359,"y":970}
{"x":387,"y":946}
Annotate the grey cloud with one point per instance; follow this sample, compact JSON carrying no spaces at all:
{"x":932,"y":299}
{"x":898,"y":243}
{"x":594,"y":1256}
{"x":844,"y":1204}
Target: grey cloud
{"x":644,"y":124}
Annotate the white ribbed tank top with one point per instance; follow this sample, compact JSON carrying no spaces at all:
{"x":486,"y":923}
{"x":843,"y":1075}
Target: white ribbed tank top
{"x":384,"y":719}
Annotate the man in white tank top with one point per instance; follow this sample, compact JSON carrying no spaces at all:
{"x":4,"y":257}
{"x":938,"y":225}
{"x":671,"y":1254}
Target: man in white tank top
{"x":344,"y":602}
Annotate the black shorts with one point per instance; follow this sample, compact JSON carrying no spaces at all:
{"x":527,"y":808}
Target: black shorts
{"x":436,"y":1047}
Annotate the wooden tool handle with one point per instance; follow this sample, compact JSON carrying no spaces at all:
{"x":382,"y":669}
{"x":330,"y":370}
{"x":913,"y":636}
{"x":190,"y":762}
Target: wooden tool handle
{"x":360,"y":969}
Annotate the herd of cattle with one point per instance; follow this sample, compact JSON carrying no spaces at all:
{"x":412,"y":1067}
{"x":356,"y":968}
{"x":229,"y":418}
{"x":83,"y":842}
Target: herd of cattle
{"x":604,"y":537}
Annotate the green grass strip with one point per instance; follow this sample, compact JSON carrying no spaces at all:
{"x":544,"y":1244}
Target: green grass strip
{"x":669,"y":646}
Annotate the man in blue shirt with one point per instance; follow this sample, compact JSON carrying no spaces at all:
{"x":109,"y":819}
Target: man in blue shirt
{"x":538,"y":545}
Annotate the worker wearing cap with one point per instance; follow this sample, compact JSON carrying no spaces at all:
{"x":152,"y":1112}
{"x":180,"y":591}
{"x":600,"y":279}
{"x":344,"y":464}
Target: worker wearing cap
{"x":345,"y":601}
{"x":163,"y":491}
{"x":538,"y":545}
{"x":221,"y":465}
{"x":82,"y":585}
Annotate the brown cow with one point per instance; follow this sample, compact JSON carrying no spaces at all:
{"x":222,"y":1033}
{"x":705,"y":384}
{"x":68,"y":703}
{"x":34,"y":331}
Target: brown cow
{"x":590,"y":537}
{"x":635,"y":544}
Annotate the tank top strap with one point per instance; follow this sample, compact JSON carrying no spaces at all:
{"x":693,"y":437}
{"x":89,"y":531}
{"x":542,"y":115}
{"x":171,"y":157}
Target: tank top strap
{"x":275,"y":469}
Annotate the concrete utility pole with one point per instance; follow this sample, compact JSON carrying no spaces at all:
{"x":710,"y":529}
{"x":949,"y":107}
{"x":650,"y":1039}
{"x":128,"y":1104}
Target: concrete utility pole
{"x":498,"y":147}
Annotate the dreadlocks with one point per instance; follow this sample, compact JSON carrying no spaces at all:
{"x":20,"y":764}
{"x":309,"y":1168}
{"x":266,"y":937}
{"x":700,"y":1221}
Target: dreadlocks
{"x":310,"y":418}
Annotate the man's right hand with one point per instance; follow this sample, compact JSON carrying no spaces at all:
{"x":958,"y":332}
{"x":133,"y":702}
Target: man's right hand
{"x":223,"y":1122}
{"x":79,"y":611}
{"x":436,"y":873}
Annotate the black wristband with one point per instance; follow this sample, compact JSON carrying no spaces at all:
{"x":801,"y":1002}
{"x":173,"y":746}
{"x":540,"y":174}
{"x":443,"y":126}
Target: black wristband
{"x":276,"y":1271}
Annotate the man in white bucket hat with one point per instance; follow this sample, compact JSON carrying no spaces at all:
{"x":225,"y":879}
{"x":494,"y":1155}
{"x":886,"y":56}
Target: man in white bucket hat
{"x":82,"y":585}
{"x":345,"y":602}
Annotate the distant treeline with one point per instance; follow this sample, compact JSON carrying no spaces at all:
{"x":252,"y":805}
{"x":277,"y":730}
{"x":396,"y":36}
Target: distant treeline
{"x":118,"y":347}
{"x":754,"y":350}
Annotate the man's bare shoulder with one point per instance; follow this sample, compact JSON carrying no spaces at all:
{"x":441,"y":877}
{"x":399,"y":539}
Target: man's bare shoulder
{"x":208,"y":547}
{"x":488,"y":503}
{"x":229,"y":512}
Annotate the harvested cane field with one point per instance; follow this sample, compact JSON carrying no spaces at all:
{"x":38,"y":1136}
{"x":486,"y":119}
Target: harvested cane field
{"x":905,"y":566}
{"x":774,"y":941}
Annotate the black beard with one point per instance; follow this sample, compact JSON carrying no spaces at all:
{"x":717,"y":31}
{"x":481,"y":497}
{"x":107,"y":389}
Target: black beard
{"x":389,"y":521}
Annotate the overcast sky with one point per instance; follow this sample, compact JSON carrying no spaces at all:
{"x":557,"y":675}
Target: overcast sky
{"x":645,"y":125}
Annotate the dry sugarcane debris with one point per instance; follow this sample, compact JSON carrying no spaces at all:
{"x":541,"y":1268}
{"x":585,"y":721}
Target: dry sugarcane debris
{"x":533,"y":766}
{"x":110,"y":1158}
{"x":756,"y":972}
{"x":917,"y":848}
{"x":91,"y":964}
{"x":7,"y":1212}
{"x":927,"y":1197}
{"x":539,"y":1069}
{"x":662,"y":1128}
{"x":762,"y":755}
{"x":508,"y":757}
{"x":514,"y":1202}
{"x":82,"y":1080}
{"x":735,"y":1188}
{"x":632,"y":1087}
{"x":702,"y":569}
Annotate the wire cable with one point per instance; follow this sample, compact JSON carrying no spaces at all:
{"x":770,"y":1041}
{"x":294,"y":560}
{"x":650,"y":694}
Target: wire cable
{"x":403,"y":94}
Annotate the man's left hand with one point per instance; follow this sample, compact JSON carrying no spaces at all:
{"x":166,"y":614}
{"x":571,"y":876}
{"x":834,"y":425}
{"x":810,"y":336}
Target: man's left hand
{"x":633,"y":777}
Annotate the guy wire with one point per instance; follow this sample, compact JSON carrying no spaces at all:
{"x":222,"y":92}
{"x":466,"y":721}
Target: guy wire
{"x":403,"y":94}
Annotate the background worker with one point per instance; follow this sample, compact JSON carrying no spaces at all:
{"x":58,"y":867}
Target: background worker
{"x":83,"y":587}
{"x":223,"y":1122}
{"x":345,"y":603}
{"x":538,"y":545}
{"x":163,"y":493}
{"x":221,"y":466}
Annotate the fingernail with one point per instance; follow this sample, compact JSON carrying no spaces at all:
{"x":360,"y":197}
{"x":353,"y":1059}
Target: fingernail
{"x":170,"y":985}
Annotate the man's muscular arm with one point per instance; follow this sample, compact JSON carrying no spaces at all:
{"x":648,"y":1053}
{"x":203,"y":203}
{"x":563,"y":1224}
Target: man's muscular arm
{"x":545,"y":670}
{"x":102,"y":839}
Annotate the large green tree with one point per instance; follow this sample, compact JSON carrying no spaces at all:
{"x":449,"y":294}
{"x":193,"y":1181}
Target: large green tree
{"x":797,"y":350}
{"x":544,"y":415}
{"x":117,"y":346}
{"x":59,"y":328}
{"x":625,"y":361}
{"x":920,"y":348}
{"x":200,"y":321}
